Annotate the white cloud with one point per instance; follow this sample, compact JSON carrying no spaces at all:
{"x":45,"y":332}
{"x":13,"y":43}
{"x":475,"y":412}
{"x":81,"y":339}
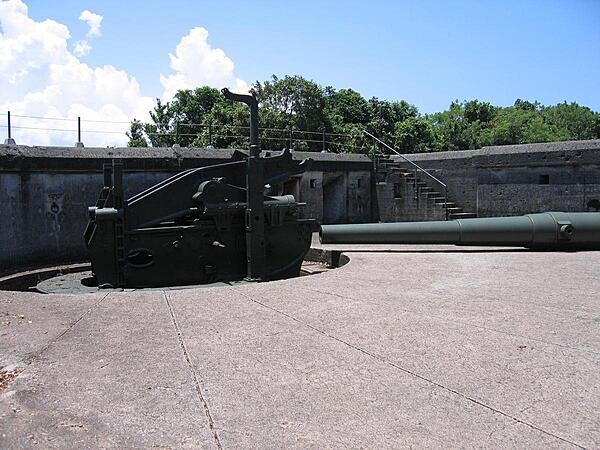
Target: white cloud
{"x":196,"y":64}
{"x":93,"y":20}
{"x":47,"y":80}
{"x":51,"y":86}
{"x":82,"y":48}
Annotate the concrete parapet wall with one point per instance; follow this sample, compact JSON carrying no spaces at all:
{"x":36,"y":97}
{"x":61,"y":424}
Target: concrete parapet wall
{"x":520,"y":179}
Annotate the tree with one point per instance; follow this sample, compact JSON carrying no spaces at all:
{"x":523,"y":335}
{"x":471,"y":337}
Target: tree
{"x":453,"y":130}
{"x":576,"y":122}
{"x":385,"y":115}
{"x":476,"y":111}
{"x":226,"y":126}
{"x":136,"y":135}
{"x":161,"y":130}
{"x":415,"y":134}
{"x":292,"y":102}
{"x":519,"y":126}
{"x":347,"y":106}
{"x":526,"y":105}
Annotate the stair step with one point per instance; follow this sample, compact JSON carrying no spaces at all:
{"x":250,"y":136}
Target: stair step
{"x":462,"y":215}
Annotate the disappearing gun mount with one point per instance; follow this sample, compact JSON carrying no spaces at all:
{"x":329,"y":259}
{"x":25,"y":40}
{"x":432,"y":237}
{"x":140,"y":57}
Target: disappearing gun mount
{"x":201,"y":225}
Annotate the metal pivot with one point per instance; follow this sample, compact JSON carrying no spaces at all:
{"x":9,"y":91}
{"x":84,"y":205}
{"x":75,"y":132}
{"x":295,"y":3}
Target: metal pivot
{"x":255,"y":216}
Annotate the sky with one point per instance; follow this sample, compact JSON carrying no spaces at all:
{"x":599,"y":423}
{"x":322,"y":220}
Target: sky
{"x":108,"y":61}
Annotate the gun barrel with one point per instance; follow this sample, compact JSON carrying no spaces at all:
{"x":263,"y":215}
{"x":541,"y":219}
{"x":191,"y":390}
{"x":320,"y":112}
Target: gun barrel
{"x":544,"y":231}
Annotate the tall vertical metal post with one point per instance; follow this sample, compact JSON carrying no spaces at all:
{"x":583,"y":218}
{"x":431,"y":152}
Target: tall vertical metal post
{"x":255,"y":214}
{"x":119,"y":223}
{"x":9,"y":140}
{"x":78,"y":143}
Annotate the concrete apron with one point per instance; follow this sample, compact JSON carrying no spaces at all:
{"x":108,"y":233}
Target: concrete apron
{"x":428,"y":347}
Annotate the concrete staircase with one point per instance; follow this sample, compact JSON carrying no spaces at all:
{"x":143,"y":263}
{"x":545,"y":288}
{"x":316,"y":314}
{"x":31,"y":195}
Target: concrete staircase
{"x":425,"y":197}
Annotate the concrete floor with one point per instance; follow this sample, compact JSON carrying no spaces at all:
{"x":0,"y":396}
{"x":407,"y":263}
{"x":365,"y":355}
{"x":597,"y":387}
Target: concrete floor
{"x":406,"y":346}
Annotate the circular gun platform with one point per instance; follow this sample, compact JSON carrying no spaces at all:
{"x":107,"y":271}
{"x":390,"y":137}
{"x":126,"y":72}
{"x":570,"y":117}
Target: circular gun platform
{"x":77,"y":279}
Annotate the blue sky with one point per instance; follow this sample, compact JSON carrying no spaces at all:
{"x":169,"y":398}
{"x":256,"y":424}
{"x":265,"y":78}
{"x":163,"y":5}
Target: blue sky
{"x":426,"y":52}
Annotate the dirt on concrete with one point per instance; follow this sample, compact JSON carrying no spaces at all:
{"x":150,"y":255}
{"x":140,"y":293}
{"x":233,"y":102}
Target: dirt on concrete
{"x":7,"y":376}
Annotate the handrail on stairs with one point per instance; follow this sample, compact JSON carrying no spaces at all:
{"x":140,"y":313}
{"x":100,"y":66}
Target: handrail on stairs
{"x":417,"y":169}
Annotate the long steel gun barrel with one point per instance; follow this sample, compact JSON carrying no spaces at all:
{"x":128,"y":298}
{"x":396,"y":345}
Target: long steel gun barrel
{"x":544,"y":231}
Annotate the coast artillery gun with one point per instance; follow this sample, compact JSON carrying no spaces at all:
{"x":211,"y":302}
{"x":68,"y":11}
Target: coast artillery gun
{"x":543,"y":231}
{"x":201,"y":225}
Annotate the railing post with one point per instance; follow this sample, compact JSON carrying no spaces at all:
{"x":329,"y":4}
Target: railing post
{"x":290,"y":131}
{"x":78,"y":143}
{"x":9,"y":140}
{"x":323,"y":141}
{"x":446,"y":201}
{"x":210,"y":133}
{"x":177,"y":132}
{"x":415,"y":180}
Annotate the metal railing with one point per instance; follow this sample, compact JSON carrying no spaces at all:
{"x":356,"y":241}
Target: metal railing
{"x":173,"y":133}
{"x":416,"y":169}
{"x":26,"y":123}
{"x":213,"y":133}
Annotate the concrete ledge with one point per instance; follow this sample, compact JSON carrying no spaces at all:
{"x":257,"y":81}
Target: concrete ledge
{"x":69,"y":159}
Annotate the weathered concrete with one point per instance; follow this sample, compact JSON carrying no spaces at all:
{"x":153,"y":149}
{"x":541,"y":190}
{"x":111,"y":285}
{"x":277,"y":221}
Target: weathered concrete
{"x":406,"y":347}
{"x":515,"y":179}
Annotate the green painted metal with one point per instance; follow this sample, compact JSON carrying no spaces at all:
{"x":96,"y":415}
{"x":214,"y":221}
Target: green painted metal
{"x":543,"y":231}
{"x":255,"y":223}
{"x":201,"y":225}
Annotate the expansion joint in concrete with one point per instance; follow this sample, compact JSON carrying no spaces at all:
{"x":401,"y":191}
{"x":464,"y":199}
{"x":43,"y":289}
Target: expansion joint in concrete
{"x":410,"y":372}
{"x":197,"y":384}
{"x":36,"y":354}
{"x":472,"y":325}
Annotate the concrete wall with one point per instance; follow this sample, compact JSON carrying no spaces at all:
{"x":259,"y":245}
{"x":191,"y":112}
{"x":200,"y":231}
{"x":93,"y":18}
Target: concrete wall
{"x":519,"y":179}
{"x":398,"y":203}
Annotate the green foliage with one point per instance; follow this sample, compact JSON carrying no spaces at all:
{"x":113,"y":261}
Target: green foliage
{"x":519,"y":126}
{"x":347,"y":106}
{"x":295,"y":103}
{"x":476,"y":111}
{"x":579,"y":122}
{"x":299,"y":112}
{"x":415,"y":134}
{"x":136,"y":134}
{"x":453,"y":130}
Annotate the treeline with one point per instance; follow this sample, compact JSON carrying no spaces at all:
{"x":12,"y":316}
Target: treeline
{"x":311,"y":117}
